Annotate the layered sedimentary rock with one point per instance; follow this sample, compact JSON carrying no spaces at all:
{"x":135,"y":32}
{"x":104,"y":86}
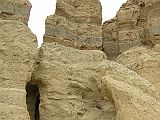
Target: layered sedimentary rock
{"x":145,"y":62}
{"x":76,"y":24}
{"x":84,"y":11}
{"x":110,"y":39}
{"x":17,"y":60}
{"x":57,"y":82}
{"x":136,"y":24}
{"x":73,"y":84}
{"x":84,"y":85}
{"x":15,"y":10}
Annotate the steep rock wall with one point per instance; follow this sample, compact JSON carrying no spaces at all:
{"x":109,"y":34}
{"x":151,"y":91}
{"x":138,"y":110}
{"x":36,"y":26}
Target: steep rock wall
{"x":136,"y":24}
{"x":15,"y":10}
{"x":84,"y":85}
{"x":63,"y":83}
{"x":76,"y":24}
{"x":18,"y":55}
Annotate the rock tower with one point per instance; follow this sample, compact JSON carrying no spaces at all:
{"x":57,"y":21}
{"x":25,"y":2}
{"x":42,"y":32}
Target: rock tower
{"x":84,"y":70}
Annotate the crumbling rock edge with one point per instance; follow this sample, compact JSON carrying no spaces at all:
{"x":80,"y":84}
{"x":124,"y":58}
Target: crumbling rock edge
{"x":73,"y":84}
{"x":64,"y":83}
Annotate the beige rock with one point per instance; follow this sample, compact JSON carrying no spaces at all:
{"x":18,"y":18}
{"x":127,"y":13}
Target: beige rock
{"x":64,"y":83}
{"x":84,"y":11}
{"x":110,"y":39}
{"x":76,"y":24}
{"x":73,"y":84}
{"x":83,"y":85}
{"x":17,"y":60}
{"x":143,"y":61}
{"x":15,"y":10}
{"x":81,"y":36}
{"x":156,"y":48}
{"x":136,"y":24}
{"x":130,"y":94}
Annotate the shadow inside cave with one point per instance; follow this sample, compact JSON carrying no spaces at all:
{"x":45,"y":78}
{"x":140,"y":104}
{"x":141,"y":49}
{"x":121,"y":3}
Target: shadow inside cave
{"x":33,"y":100}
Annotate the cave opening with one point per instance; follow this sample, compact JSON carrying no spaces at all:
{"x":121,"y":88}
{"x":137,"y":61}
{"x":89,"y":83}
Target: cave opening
{"x":33,"y":100}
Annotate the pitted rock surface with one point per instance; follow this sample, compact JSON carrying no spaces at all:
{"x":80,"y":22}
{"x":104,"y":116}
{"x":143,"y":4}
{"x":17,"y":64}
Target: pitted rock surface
{"x":136,"y":24}
{"x":76,"y":24}
{"x":18,"y":54}
{"x":61,"y":82}
{"x":84,"y":85}
{"x":18,"y":10}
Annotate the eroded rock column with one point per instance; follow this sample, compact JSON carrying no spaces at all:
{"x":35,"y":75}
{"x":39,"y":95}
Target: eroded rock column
{"x":76,"y":24}
{"x":136,"y":24}
{"x":18,"y":54}
{"x":17,"y":10}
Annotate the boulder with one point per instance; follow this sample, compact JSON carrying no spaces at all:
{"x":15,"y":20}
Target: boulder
{"x":145,"y":62}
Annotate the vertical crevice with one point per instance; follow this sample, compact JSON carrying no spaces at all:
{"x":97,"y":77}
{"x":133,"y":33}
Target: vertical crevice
{"x":33,"y":100}
{"x":37,"y":21}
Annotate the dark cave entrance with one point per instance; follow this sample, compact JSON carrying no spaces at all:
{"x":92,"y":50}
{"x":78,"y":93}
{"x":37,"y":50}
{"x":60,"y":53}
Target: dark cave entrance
{"x":33,"y":100}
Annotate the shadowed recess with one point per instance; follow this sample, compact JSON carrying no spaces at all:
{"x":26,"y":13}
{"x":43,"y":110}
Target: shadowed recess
{"x":33,"y":100}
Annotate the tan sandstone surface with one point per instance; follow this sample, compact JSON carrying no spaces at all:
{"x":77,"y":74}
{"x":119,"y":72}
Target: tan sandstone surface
{"x":15,"y":10}
{"x":84,"y":85}
{"x":156,"y":48}
{"x":60,"y":82}
{"x":76,"y":24}
{"x":136,"y":24}
{"x":18,"y":54}
{"x":145,"y":62}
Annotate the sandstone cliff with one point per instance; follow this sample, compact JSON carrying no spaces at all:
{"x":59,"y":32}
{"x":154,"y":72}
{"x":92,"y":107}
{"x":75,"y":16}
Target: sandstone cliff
{"x":136,"y":24}
{"x":76,"y":24}
{"x":15,"y":10}
{"x":18,"y":54}
{"x":57,"y":82}
{"x":84,"y":85}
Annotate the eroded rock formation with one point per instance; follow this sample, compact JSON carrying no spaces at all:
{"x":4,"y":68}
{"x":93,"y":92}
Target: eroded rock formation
{"x":15,"y":10}
{"x":76,"y":24}
{"x":84,"y":85}
{"x":136,"y":24}
{"x":144,"y":61}
{"x":18,"y":56}
{"x":57,"y":82}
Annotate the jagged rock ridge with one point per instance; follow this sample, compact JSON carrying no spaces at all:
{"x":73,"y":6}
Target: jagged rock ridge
{"x":57,"y":82}
{"x":76,"y":24}
{"x":136,"y":24}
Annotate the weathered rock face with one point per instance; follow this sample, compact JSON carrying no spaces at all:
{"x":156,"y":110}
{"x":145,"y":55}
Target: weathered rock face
{"x":75,"y":85}
{"x":17,"y":58}
{"x":136,"y":24}
{"x":76,"y":24}
{"x":84,"y":11}
{"x":83,"y":85}
{"x":63,"y":83}
{"x":110,"y":39}
{"x":157,"y":48}
{"x":15,"y":10}
{"x":145,"y":62}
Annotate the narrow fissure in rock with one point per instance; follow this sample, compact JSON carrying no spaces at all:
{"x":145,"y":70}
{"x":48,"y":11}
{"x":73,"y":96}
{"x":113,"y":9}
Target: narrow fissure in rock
{"x":33,"y":100}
